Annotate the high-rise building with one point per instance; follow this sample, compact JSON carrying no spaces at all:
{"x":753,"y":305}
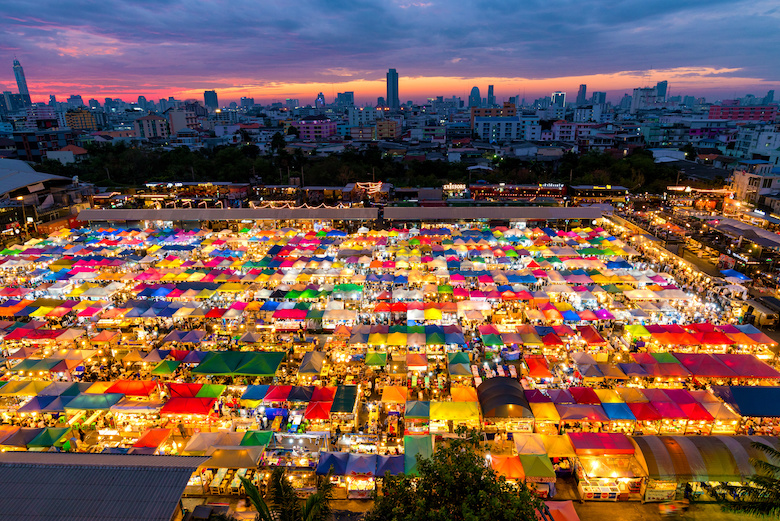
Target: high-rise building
{"x":142,"y":102}
{"x":210,"y":100}
{"x":52,"y":100}
{"x":247,"y":103}
{"x":291,"y":103}
{"x":392,"y":90}
{"x":94,"y":104}
{"x":21,"y":82}
{"x":661,"y":89}
{"x":319,"y":103}
{"x":380,"y":101}
{"x":75,"y":101}
{"x":581,"y":94}
{"x":475,"y":100}
{"x":769,"y":98}
{"x":558,"y":98}
{"x":491,"y":97}
{"x":345,"y":99}
{"x":598,"y":98}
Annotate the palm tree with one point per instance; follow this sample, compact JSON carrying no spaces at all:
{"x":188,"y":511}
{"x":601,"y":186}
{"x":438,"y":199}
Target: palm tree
{"x":761,"y":497}
{"x":285,"y":505}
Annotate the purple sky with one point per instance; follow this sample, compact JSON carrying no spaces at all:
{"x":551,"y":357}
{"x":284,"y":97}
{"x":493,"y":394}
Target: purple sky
{"x":274,"y":50}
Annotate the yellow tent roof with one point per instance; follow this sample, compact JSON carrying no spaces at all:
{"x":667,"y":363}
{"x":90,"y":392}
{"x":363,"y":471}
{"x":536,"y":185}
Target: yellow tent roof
{"x":455,"y":411}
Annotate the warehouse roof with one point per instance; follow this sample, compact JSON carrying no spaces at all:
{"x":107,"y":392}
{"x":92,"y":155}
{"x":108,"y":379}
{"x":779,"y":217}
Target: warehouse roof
{"x":16,"y":174}
{"x":228,"y":214}
{"x":405,"y":213}
{"x":85,"y":487}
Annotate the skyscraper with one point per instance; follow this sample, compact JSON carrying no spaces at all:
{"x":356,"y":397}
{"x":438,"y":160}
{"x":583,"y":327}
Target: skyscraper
{"x":320,"y":101}
{"x":491,"y":98}
{"x":559,"y":98}
{"x":210,"y":100}
{"x":392,"y":90}
{"x":21,"y":82}
{"x":660,"y":90}
{"x":599,"y":98}
{"x":475,"y":100}
{"x":581,"y":95}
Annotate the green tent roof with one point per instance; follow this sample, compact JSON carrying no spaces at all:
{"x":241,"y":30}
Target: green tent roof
{"x":414,"y":445}
{"x":461,"y":357}
{"x":222,"y":363}
{"x":665,"y":358}
{"x":344,"y":399}
{"x":257,"y":438}
{"x":418,"y":410}
{"x":49,"y":437}
{"x":211,"y":391}
{"x":260,"y":364}
{"x":376,"y":359}
{"x":166,"y":367}
{"x":94,"y":402}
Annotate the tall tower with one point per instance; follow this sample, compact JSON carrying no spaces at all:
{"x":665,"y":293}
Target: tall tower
{"x":392,"y":90}
{"x":21,"y":82}
{"x":210,"y":100}
{"x":559,"y":98}
{"x":475,"y":101}
{"x":660,"y":89}
{"x":581,"y":94}
{"x":491,"y":98}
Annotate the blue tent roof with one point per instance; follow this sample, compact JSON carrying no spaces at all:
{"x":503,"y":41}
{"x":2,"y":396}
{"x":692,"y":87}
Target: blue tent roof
{"x":337,"y":460}
{"x":618,"y":411}
{"x":734,"y":273}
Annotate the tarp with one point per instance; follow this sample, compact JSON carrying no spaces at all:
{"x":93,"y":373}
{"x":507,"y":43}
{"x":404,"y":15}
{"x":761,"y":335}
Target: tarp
{"x":700,"y":458}
{"x":414,"y":446}
{"x":152,"y":438}
{"x":455,"y":411}
{"x":503,"y":397}
{"x":508,"y":466}
{"x":537,"y":467}
{"x":345,"y":399}
{"x":597,"y":443}
{"x":759,"y":401}
{"x":193,"y":406}
{"x":336,"y":460}
{"x":233,"y":457}
{"x":257,"y":438}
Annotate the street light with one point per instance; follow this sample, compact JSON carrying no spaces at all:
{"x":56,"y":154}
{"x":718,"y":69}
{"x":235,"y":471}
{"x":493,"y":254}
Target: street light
{"x":24,"y":216}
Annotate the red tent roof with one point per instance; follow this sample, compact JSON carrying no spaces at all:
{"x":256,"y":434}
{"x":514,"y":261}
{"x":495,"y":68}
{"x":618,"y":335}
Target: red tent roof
{"x":132,"y":387}
{"x":179,"y":390}
{"x":695,"y":411}
{"x":585,"y":395}
{"x":669,"y":411}
{"x":704,"y":365}
{"x":644,"y":411}
{"x":318,"y":411}
{"x":591,"y":336}
{"x":198,"y":406}
{"x":277,"y":393}
{"x":323,"y":394}
{"x":537,"y":366}
{"x":597,"y":443}
{"x":748,"y":366}
{"x":152,"y":438}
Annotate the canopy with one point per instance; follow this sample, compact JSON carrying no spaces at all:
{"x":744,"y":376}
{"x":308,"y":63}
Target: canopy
{"x":599,"y":443}
{"x":455,"y":411}
{"x":700,"y":458}
{"x":508,"y":466}
{"x":414,"y":446}
{"x":337,"y":461}
{"x":233,"y":457}
{"x":503,"y":397}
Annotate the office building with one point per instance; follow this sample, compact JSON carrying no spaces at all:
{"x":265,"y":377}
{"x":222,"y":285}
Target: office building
{"x":81,"y":119}
{"x":491,"y":97}
{"x":247,"y":103}
{"x":345,"y":99}
{"x":598,"y":98}
{"x":581,"y":95}
{"x":291,"y":103}
{"x":21,"y":83}
{"x":661,"y":89}
{"x":558,"y":99}
{"x":210,"y":100}
{"x":392,"y":90}
{"x":508,"y":110}
{"x":475,"y":100}
{"x":320,"y":101}
{"x":75,"y":101}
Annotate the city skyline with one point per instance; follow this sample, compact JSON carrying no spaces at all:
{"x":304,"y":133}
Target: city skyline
{"x":158,"y":50}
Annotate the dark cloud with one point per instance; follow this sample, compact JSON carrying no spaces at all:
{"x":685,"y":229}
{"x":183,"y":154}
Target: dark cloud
{"x":180,"y":43}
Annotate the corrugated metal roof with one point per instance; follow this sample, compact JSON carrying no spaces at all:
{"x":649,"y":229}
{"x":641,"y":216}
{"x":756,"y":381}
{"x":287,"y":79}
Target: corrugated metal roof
{"x":92,"y":487}
{"x":16,"y":174}
{"x":405,"y":213}
{"x":230,"y":214}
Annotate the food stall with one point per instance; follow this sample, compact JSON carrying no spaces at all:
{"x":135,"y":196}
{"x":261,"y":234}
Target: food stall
{"x":605,"y":467}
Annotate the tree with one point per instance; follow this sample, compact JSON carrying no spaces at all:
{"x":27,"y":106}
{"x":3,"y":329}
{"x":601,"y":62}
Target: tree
{"x":761,"y":496}
{"x":454,"y":484}
{"x":285,"y":505}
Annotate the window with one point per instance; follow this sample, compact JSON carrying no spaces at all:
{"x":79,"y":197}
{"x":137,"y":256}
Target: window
{"x":767,"y":183}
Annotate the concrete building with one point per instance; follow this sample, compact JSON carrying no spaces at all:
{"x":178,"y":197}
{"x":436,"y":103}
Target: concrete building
{"x":393,"y":100}
{"x":210,"y":100}
{"x":766,"y":113}
{"x":33,"y":145}
{"x":81,"y":119}
{"x":585,"y":113}
{"x":363,"y":116}
{"x":180,"y":119}
{"x":388,"y":129}
{"x":507,"y":110}
{"x":510,"y":128}
{"x":316,"y":128}
{"x":753,"y":179}
{"x":152,"y":127}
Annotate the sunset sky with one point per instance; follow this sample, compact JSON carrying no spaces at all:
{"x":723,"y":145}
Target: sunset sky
{"x":275,"y":50}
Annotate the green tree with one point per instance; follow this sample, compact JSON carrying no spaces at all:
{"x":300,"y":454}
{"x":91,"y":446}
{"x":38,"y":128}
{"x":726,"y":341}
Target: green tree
{"x":454,"y":484}
{"x":761,"y":496}
{"x":285,"y":505}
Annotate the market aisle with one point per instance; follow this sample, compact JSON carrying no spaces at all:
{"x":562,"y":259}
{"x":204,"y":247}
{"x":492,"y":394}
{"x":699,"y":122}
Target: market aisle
{"x":635,"y":511}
